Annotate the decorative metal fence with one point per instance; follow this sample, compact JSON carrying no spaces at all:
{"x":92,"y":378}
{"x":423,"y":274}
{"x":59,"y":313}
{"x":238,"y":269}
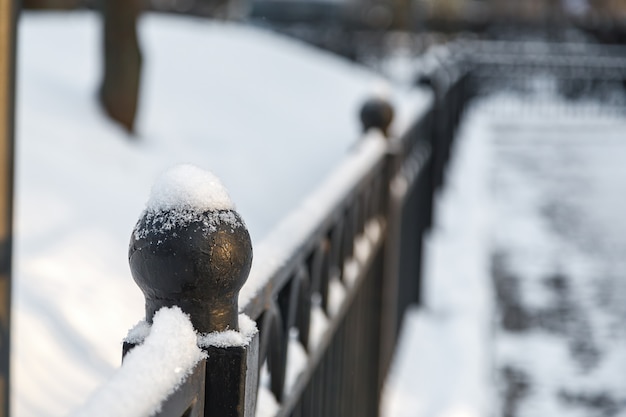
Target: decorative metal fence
{"x":575,"y":70}
{"x":347,"y":263}
{"x":340,"y":287}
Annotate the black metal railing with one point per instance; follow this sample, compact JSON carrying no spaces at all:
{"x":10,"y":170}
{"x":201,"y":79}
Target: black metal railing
{"x":354,"y":266}
{"x":332,"y":282}
{"x":577,"y":70}
{"x":335,"y":292}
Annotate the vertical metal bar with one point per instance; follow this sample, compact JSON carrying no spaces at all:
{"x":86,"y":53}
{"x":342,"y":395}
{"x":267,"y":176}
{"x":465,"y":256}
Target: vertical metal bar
{"x":335,"y":384}
{"x":310,"y":396}
{"x":358,"y":353}
{"x":377,"y":376}
{"x":340,"y":364}
{"x":347,"y":375}
{"x":392,"y":247}
{"x":326,"y":374}
{"x":317,"y":387}
{"x":372,"y":336}
{"x":8,"y":18}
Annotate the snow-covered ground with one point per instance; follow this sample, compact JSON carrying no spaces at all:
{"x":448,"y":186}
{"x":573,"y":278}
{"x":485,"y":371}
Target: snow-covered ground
{"x":559,"y":198}
{"x":270,"y":116}
{"x":535,"y":203}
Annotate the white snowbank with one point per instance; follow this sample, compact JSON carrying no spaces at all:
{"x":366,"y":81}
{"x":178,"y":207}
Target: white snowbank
{"x":185,"y":194}
{"x":187,"y":187}
{"x":151,"y":371}
{"x":559,"y":201}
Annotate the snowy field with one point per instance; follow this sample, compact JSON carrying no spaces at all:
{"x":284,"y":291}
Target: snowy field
{"x":269,"y":115}
{"x":535,"y":198}
{"x":529,"y":318}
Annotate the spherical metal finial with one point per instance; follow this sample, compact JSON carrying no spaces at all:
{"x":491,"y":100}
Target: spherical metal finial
{"x":376,"y":113}
{"x":190,"y":248}
{"x":199,"y":265}
{"x":425,"y":80}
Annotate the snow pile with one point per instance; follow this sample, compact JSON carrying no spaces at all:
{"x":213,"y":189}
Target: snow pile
{"x":151,"y":371}
{"x":442,"y":365}
{"x":138,"y":333}
{"x":559,"y":199}
{"x":187,"y":187}
{"x":185,"y":194}
{"x":243,"y":337}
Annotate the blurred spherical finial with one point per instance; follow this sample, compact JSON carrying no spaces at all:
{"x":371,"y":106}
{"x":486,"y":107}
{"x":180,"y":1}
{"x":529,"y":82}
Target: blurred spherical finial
{"x":376,"y":113}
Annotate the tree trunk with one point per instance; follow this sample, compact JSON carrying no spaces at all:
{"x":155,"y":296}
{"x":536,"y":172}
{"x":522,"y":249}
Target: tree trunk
{"x":119,"y":91}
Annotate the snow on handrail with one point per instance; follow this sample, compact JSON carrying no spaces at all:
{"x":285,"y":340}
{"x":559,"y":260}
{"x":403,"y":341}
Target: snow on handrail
{"x":151,"y":372}
{"x":288,"y":237}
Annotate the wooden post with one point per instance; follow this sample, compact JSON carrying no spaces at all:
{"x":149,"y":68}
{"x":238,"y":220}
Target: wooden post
{"x":8,"y":15}
{"x":199,"y":264}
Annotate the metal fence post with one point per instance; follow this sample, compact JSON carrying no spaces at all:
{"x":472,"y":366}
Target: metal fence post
{"x":378,"y":113}
{"x":8,"y":17}
{"x":200,"y":265}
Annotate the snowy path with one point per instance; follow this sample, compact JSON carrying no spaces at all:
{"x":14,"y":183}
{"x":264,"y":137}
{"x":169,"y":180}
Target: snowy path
{"x":559,"y":187}
{"x":535,"y":197}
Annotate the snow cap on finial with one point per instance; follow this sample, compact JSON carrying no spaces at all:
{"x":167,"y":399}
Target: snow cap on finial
{"x":191,"y":249}
{"x":188,"y":187}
